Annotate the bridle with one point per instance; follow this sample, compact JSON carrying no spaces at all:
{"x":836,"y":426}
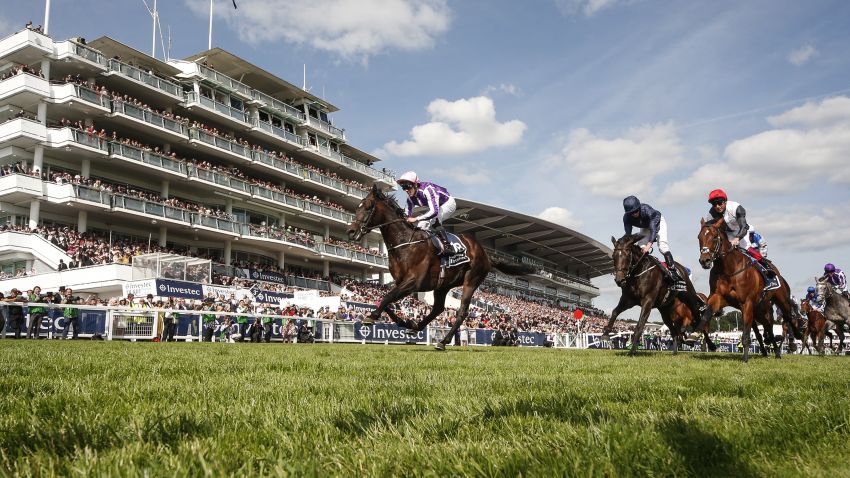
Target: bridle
{"x":629,"y":274}
{"x":716,"y":253}
{"x":364,"y":225}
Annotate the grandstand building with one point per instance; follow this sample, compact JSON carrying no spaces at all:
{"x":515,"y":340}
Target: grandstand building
{"x":209,"y":156}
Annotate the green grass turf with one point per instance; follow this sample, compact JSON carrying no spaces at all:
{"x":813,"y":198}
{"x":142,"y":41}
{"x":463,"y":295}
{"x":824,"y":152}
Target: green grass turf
{"x":115,"y":408}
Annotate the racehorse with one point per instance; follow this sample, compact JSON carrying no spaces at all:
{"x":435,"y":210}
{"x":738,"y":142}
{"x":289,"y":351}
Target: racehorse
{"x":643,"y":283}
{"x":682,"y":318}
{"x":735,"y":282}
{"x":415,"y":267}
{"x":836,"y":307}
{"x":816,"y":328}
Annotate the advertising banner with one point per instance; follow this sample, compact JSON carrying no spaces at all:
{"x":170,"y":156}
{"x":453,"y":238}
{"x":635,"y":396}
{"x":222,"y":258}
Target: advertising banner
{"x":387,"y":333}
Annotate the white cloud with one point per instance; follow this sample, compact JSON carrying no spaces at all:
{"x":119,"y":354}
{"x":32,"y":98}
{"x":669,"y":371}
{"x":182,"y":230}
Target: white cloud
{"x":353,"y":29}
{"x":800,"y":56}
{"x":6,"y":27}
{"x":559,"y":215}
{"x":505,"y":88}
{"x":587,"y":7}
{"x":809,"y":142}
{"x":469,"y":175}
{"x":806,"y":229}
{"x":458,"y":127}
{"x":622,"y":166}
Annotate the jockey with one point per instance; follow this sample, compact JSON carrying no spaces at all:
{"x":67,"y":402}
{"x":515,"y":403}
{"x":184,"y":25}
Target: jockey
{"x":653,"y":227}
{"x":814,"y":299}
{"x":836,"y":278}
{"x":735,"y":217}
{"x":757,"y":243}
{"x":441,"y":206}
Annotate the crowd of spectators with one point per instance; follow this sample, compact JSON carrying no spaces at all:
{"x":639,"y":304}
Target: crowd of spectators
{"x":19,"y":70}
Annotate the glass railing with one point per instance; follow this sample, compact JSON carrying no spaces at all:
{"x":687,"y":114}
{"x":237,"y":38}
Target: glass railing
{"x":222,"y":108}
{"x":277,"y":131}
{"x":331,"y":249}
{"x":279,"y":106}
{"x":91,"y":194}
{"x":253,"y":230}
{"x":220,"y":179}
{"x":88,"y":53}
{"x":328,"y":212}
{"x":148,"y":116}
{"x":350,"y":163}
{"x":147,"y":157}
{"x":216,"y":223}
{"x":221,"y":143}
{"x":326,"y":127}
{"x":277,"y":163}
{"x":90,"y":140}
{"x":92,"y":96}
{"x":277,"y":197}
{"x":144,"y":77}
{"x":225,"y":81}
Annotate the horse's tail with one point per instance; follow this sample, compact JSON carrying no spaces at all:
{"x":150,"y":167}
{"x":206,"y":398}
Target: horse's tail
{"x":512,"y":268}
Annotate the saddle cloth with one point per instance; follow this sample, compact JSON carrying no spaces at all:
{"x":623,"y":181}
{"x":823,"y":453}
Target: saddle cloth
{"x":458,"y":254}
{"x":771,"y":281}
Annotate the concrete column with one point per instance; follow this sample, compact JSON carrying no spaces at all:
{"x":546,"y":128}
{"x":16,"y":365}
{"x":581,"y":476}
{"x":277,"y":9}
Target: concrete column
{"x":253,"y":114}
{"x":35,"y":209}
{"x":227,"y":251}
{"x":282,"y":220}
{"x":45,"y":68}
{"x":42,"y":112}
{"x":166,"y":148}
{"x":382,"y":246}
{"x":326,"y":268}
{"x":228,"y":206}
{"x":382,"y":278}
{"x":164,"y":189}
{"x":30,"y":263}
{"x":280,"y":259}
{"x":363,"y":275}
{"x":327,"y":231}
{"x":163,"y":236}
{"x":85,"y":170}
{"x":82,"y":221}
{"x":38,"y":158}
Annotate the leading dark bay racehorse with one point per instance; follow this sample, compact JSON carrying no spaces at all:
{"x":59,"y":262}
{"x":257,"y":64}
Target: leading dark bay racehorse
{"x":643,"y":283}
{"x":415,"y":266}
{"x":735,"y":282}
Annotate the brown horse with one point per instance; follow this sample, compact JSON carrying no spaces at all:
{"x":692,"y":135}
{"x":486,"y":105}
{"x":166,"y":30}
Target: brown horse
{"x":735,"y":282}
{"x":642,"y":282}
{"x":682,"y":318}
{"x":816,"y":328}
{"x":415,"y":266}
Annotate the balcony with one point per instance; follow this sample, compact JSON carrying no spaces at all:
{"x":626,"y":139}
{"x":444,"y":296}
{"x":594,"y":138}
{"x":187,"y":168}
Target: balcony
{"x":136,"y":115}
{"x":209,"y":108}
{"x":259,"y":232}
{"x":141,"y":206}
{"x":277,"y":198}
{"x":326,"y":128}
{"x":23,"y":89}
{"x":80,"y":140}
{"x":88,"y":194}
{"x":339,"y":158}
{"x":145,"y":79}
{"x":22,"y":132}
{"x":20,"y":188}
{"x":229,"y":182}
{"x":280,"y":107}
{"x":335,"y":214}
{"x":25,"y":47}
{"x":89,"y":56}
{"x":301,"y":174}
{"x":339,"y":251}
{"x":220,"y":146}
{"x":216,"y":223}
{"x":91,"y":102}
{"x":291,"y":138}
{"x":147,"y":158}
{"x":226,"y":82}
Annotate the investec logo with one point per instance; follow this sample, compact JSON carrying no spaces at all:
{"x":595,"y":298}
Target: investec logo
{"x":257,"y":275}
{"x":179,"y":290}
{"x":386,"y":333}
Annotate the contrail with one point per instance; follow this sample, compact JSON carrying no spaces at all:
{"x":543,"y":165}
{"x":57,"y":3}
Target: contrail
{"x":762,"y":108}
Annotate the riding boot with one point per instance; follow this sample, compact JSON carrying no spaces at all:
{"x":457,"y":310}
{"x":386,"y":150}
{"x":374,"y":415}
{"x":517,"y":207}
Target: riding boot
{"x":673,"y":274}
{"x":444,"y":239}
{"x":771,"y":281}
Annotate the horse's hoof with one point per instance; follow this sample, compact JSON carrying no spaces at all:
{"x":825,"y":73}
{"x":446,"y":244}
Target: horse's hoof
{"x":440,"y":346}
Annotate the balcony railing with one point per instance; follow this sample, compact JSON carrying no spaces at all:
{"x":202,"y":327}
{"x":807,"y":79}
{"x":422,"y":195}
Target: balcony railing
{"x":278,"y":197}
{"x":279,"y":106}
{"x":340,"y":251}
{"x":329,"y":212}
{"x":277,"y":131}
{"x":326,"y":127}
{"x":216,"y":223}
{"x":220,"y":179}
{"x":147,"y":157}
{"x":150,"y":117}
{"x":348,"y":162}
{"x":144,"y":77}
{"x":90,"y":140}
{"x":89,"y":54}
{"x":222,"y":108}
{"x":92,"y":195}
{"x":92,"y":96}
{"x":221,"y":143}
{"x":225,"y":81}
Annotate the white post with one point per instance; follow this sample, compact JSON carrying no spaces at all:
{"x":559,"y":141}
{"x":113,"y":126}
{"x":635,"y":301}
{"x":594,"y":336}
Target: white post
{"x":209,"y":44}
{"x":153,"y":31}
{"x":46,"y":16}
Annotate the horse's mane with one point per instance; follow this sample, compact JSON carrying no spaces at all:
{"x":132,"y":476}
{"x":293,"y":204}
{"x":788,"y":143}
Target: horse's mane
{"x":630,"y":238}
{"x":390,"y":201}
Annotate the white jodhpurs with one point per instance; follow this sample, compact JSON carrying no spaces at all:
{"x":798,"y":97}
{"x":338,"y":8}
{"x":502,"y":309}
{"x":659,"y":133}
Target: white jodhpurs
{"x":661,"y":238}
{"x":447,"y":210}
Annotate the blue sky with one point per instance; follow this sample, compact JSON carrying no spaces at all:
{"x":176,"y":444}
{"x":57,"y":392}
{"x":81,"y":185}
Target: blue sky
{"x":563,"y":106}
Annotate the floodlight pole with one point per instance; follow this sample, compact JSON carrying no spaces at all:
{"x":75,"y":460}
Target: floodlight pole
{"x":46,"y":16}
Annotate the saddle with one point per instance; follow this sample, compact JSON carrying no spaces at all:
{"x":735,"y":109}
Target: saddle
{"x":455,"y":253}
{"x":765,"y":268}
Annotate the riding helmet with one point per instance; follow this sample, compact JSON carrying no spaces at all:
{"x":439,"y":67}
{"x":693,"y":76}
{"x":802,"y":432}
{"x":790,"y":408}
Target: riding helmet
{"x":408,"y":177}
{"x":716,"y":194}
{"x":811,"y":289}
{"x":829,"y":268}
{"x":631,"y":204}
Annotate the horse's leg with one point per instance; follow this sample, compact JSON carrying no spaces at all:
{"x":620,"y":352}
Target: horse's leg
{"x":624,"y":304}
{"x":469,"y":287}
{"x":709,"y":344}
{"x":439,"y":307}
{"x":840,"y":333}
{"x":645,"y":309}
{"x":675,"y":330}
{"x":759,"y":339}
{"x":398,"y":292}
{"x":746,"y":340}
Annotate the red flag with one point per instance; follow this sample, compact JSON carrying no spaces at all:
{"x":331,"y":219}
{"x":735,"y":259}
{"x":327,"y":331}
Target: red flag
{"x":578,"y":314}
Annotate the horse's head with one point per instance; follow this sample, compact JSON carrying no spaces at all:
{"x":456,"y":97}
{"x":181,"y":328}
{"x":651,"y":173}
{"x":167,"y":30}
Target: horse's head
{"x":805,"y":307}
{"x":374,"y":210}
{"x":711,"y":238}
{"x":625,"y":250}
{"x":823,"y":289}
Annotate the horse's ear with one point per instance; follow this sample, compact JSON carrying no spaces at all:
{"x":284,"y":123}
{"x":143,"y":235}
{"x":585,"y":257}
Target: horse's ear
{"x":702,"y":222}
{"x":375,"y":189}
{"x":613,"y":241}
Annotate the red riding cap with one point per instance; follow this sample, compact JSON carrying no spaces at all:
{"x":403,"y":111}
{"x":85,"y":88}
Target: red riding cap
{"x":716,"y":194}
